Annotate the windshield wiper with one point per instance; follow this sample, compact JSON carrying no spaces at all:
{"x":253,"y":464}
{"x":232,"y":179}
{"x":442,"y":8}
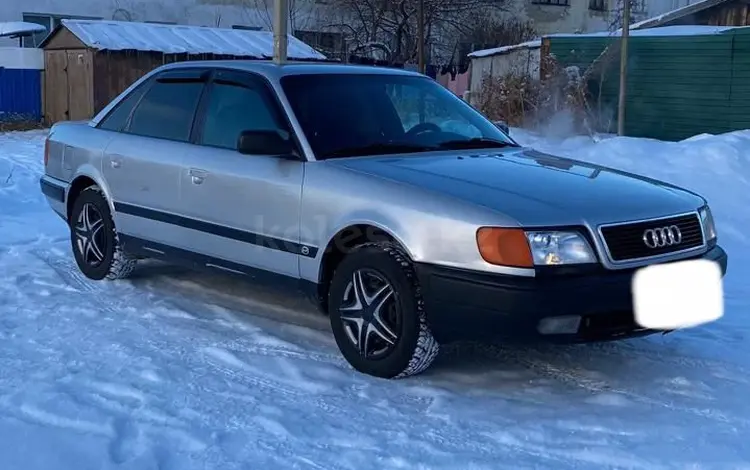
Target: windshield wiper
{"x":378,"y":149}
{"x":475,"y":143}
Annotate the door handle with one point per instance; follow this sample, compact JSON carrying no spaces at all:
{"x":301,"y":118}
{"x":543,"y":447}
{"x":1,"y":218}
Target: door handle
{"x":197,"y":176}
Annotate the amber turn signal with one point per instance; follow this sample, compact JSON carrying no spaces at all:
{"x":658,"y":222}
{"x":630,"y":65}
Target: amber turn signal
{"x":504,"y":247}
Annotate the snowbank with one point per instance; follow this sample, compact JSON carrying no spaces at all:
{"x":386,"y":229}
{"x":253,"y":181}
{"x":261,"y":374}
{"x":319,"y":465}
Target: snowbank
{"x":170,"y":371}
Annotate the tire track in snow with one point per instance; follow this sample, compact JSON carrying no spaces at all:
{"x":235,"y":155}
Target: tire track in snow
{"x":606,"y":391}
{"x":321,"y":395}
{"x":68,"y":272}
{"x":611,"y":392}
{"x":105,"y":301}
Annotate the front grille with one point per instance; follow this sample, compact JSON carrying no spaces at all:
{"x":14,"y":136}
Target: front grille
{"x":625,"y":242}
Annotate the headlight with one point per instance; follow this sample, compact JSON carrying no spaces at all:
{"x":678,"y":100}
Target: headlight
{"x":707,"y":219}
{"x":525,"y":249}
{"x":551,"y":248}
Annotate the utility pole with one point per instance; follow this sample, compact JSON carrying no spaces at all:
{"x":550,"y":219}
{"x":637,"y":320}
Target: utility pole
{"x":280,"y":27}
{"x":420,"y":36}
{"x":623,"y":66}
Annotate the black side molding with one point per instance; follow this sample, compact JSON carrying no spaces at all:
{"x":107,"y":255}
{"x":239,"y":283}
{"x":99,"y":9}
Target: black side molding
{"x":219,"y":230}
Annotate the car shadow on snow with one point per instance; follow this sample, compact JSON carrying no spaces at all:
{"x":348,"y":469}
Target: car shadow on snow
{"x":489,"y":366}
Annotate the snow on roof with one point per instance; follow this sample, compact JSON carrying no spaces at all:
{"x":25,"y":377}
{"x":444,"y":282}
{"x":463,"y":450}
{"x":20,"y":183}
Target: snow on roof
{"x":535,"y":44}
{"x":687,"y":30}
{"x":20,"y":28}
{"x":676,"y":13}
{"x":180,"y":39}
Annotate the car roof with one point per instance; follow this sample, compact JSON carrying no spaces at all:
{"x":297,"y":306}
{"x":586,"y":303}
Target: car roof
{"x":273,"y":70}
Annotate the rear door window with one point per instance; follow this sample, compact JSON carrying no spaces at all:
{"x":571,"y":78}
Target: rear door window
{"x":168,"y":108}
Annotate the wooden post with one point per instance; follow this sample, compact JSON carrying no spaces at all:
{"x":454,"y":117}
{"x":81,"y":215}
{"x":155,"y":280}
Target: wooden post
{"x":623,"y":66}
{"x":280,"y":26}
{"x":420,"y":36}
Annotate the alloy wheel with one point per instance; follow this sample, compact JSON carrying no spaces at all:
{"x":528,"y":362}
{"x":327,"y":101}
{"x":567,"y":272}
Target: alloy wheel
{"x":370,"y":314}
{"x":89,"y":235}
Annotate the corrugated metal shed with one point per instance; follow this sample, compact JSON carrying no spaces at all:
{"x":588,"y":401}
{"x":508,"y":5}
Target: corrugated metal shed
{"x":181,"y":39}
{"x":682,"y":80}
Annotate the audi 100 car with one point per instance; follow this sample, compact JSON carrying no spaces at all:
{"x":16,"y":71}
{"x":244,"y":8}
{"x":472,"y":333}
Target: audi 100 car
{"x":406,"y":216}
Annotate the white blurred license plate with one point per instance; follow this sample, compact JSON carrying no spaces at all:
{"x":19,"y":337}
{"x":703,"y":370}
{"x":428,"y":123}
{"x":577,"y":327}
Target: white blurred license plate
{"x":676,"y":295}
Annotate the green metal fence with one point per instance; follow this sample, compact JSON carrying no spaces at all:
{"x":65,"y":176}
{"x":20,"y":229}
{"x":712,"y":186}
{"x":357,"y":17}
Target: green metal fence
{"x":677,"y":86}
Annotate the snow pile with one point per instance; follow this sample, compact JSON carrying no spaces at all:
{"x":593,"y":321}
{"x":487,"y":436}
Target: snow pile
{"x":717,"y":167}
{"x":170,"y":371}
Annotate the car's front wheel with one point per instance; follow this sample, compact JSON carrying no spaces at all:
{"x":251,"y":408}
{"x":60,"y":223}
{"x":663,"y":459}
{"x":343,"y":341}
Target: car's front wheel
{"x":377,"y":313}
{"x":95,"y":244}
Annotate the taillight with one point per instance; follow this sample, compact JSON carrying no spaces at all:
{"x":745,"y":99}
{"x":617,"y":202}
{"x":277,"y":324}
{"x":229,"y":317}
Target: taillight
{"x":46,"y":151}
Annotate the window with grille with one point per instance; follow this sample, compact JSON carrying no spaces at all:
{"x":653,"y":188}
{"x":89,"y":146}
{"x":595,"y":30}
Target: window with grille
{"x":598,"y":5}
{"x":563,"y":3}
{"x":247,"y":28}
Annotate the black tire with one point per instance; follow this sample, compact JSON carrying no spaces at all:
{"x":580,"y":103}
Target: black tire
{"x":104,"y":258}
{"x":411,"y":348}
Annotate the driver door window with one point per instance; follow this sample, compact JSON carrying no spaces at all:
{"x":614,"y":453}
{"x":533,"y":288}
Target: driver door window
{"x":415,"y":106}
{"x":237,"y":103}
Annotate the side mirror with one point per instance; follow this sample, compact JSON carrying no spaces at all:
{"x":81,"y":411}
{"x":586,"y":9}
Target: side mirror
{"x":503,"y":126}
{"x":266,"y":142}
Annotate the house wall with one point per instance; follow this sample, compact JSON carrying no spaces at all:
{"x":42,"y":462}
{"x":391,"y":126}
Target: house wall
{"x":565,"y":16}
{"x":574,"y":16}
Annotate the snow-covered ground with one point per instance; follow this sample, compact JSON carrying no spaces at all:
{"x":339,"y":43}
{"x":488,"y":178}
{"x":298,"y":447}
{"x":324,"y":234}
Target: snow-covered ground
{"x":171,"y":371}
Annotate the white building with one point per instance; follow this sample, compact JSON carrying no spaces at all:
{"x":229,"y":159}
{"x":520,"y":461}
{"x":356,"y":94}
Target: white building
{"x":239,"y":14}
{"x":308,"y":17}
{"x":586,"y":16}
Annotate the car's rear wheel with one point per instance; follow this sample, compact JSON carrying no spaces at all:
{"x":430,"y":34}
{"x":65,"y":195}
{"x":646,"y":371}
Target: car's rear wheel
{"x":377,"y":313}
{"x":95,"y":244}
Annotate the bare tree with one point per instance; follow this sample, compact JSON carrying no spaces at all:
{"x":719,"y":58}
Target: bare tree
{"x":391,"y":25}
{"x":143,"y":10}
{"x":300,"y":13}
{"x":616,"y":13}
{"x":488,"y":32}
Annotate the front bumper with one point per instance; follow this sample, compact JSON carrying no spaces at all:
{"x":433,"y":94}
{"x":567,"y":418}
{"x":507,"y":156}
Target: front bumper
{"x":463,"y":305}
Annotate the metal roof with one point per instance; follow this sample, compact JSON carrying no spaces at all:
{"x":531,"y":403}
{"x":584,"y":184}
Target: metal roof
{"x":180,"y":39}
{"x":20,"y":28}
{"x":534,"y":44}
{"x":676,"y":14}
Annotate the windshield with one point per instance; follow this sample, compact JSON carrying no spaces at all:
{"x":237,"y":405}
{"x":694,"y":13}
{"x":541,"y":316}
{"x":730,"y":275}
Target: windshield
{"x":361,"y":114}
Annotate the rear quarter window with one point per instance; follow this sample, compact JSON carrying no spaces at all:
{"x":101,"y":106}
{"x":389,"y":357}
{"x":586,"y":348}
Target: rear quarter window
{"x":118,"y":117}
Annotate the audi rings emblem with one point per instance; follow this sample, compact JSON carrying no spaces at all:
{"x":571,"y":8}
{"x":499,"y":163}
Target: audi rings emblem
{"x":661,"y":237}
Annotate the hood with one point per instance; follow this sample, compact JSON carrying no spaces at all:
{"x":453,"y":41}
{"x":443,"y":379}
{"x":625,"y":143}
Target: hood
{"x":534,"y":188}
